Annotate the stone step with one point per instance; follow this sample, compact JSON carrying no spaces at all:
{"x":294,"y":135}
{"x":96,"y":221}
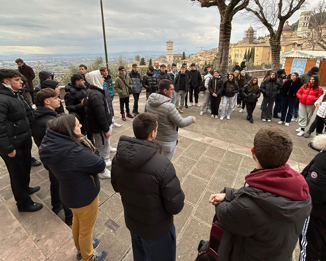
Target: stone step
{"x":41,"y":235}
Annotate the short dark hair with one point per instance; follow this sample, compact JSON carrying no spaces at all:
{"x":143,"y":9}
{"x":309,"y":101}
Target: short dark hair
{"x":164,"y":85}
{"x":162,"y":65}
{"x":134,"y":65}
{"x":103,"y":69}
{"x":19,"y":60}
{"x":273,"y":147}
{"x":151,"y":68}
{"x":76,"y":77}
{"x":83,"y":65}
{"x":45,"y":94}
{"x":144,"y":124}
{"x":8,"y":74}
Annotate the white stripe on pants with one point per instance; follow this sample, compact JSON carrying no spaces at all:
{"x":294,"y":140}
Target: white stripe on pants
{"x":305,"y":114}
{"x":231,"y":102}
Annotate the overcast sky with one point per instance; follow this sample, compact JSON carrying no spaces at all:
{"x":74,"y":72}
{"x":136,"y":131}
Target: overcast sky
{"x":71,"y":26}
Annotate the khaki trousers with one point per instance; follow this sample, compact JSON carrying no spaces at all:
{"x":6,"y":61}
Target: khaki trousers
{"x":305,"y":114}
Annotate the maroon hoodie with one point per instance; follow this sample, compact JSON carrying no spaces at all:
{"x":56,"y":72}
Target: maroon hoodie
{"x":282,"y":181}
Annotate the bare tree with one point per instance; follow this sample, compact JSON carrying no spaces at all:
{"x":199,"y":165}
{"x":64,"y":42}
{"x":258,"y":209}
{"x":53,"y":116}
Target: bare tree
{"x":316,"y":34}
{"x":227,"y":10}
{"x":273,"y":16}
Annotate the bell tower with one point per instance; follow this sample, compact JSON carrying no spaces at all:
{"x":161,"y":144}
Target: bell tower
{"x":169,"y":52}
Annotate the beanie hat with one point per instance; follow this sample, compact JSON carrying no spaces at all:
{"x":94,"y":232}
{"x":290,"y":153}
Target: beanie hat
{"x":280,"y":71}
{"x":49,"y":84}
{"x":121,"y":68}
{"x":315,"y":69}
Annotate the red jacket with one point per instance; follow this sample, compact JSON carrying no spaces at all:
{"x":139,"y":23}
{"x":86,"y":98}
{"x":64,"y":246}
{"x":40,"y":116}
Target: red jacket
{"x":309,"y":96}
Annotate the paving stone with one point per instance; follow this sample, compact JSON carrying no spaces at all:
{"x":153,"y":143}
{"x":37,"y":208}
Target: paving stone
{"x":112,"y":207}
{"x":107,"y":186}
{"x":6,"y":193}
{"x":221,"y":144}
{"x":4,"y":181}
{"x":196,"y":150}
{"x":223,"y":178}
{"x":240,"y":149}
{"x":184,"y":142}
{"x":248,"y":162}
{"x":215,"y":153}
{"x":179,"y":151}
{"x":193,"y":188}
{"x":44,"y":192}
{"x":205,"y":168}
{"x":183,"y":165}
{"x":240,"y":179}
{"x":181,"y":218}
{"x":205,"y":210}
{"x":103,"y":197}
{"x":231,"y":161}
{"x":67,"y":252}
{"x":191,"y":134}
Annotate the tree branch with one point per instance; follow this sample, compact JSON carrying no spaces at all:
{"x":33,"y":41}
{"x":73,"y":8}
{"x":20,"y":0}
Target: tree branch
{"x":206,"y":3}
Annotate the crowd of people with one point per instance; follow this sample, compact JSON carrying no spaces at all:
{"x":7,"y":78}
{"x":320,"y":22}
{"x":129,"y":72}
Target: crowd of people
{"x":261,"y":221}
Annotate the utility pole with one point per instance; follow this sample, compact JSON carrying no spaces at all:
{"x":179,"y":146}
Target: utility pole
{"x":104,"y":37}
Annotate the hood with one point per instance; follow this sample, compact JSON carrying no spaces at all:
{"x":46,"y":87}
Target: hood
{"x":95,"y":78}
{"x":69,"y":85}
{"x":132,"y":72}
{"x":282,"y":181}
{"x":280,"y":72}
{"x":157,"y":99}
{"x":49,"y":84}
{"x":4,"y":88}
{"x":41,"y":111}
{"x":133,"y":153}
{"x":45,"y":74}
{"x":150,"y":74}
{"x":55,"y":147}
{"x":208,"y":76}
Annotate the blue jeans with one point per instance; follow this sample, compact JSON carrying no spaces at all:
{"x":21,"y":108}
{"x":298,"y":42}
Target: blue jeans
{"x":287,"y":102}
{"x":161,"y":249}
{"x":296,"y":108}
{"x":278,"y":104}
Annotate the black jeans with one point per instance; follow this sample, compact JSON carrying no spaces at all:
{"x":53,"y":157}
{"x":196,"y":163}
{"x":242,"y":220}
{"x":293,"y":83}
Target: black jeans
{"x":186,"y":99}
{"x":136,"y":99}
{"x":55,"y":196}
{"x":215,"y":104}
{"x":250,"y":108}
{"x":313,"y":126}
{"x":278,"y":104}
{"x":287,"y":102}
{"x":161,"y":249}
{"x":320,"y":122}
{"x":19,"y":168}
{"x":191,"y":91}
{"x":123,"y":102}
{"x":267,"y":108}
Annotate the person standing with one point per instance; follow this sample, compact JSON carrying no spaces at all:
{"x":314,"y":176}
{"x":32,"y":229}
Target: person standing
{"x":289,"y":98}
{"x":28,"y":72}
{"x":181,"y":87}
{"x":243,"y":65}
{"x":98,"y":114}
{"x":15,"y":139}
{"x":150,"y":82}
{"x":83,"y":71}
{"x":123,"y":86}
{"x":173,"y":75}
{"x":74,"y":161}
{"x":251,"y":93}
{"x":149,"y":207}
{"x":188,"y":74}
{"x":215,"y":87}
{"x":236,"y":67}
{"x":55,"y":86}
{"x":270,"y":87}
{"x":207,"y":94}
{"x":230,"y":88}
{"x":195,"y":81}
{"x":48,"y":101}
{"x":157,"y":69}
{"x":168,"y":118}
{"x":136,"y":87}
{"x":163,"y":74}
{"x":308,"y":94}
{"x":281,"y":77}
{"x":74,"y":98}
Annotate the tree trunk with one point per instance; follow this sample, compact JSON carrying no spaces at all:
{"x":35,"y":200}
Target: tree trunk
{"x":223,"y":47}
{"x":276,"y":51}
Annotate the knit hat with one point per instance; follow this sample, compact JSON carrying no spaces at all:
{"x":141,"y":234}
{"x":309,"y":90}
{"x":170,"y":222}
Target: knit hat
{"x":280,"y":71}
{"x":49,"y":84}
{"x":121,"y":68}
{"x":315,"y":69}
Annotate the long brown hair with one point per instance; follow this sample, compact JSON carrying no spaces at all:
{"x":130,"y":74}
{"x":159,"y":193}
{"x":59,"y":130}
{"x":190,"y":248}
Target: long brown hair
{"x":233,"y":80}
{"x":253,"y":87}
{"x":315,"y":87}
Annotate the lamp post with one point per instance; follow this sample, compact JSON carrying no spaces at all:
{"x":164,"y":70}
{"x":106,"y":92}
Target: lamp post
{"x":104,"y":37}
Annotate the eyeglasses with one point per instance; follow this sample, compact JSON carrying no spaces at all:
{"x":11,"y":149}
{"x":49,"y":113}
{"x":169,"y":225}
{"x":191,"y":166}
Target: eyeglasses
{"x":171,"y":89}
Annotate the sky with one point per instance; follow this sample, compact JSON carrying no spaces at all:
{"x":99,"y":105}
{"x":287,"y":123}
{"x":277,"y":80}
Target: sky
{"x":71,"y":26}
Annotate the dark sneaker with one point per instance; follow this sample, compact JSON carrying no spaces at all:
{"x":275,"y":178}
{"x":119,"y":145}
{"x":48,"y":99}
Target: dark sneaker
{"x":251,"y":120}
{"x":57,"y":209}
{"x":99,"y":256}
{"x":68,"y":221}
{"x":307,"y":134}
{"x":31,"y":208}
{"x":32,"y":190}
{"x":130,"y":116}
{"x":35,"y":162}
{"x":95,"y":243}
{"x":186,"y":106}
{"x":276,"y":117}
{"x":123,"y":117}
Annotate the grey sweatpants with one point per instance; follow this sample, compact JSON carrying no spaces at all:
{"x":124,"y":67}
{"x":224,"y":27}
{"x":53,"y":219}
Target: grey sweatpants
{"x":180,"y":98}
{"x":104,"y":149}
{"x":205,"y":104}
{"x":305,"y":114}
{"x":166,"y":149}
{"x":226,"y":101}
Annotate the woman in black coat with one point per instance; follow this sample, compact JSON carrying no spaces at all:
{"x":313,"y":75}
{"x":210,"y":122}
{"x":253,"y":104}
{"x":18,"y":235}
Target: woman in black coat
{"x":71,"y":157}
{"x":251,"y":94}
{"x":289,"y":97}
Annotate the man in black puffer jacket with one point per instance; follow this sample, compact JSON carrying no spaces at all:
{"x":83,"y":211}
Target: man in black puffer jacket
{"x":163,"y":74}
{"x":43,"y":76}
{"x":15,"y":139}
{"x":194,"y":84}
{"x":150,"y":192}
{"x":150,"y":82}
{"x":74,"y":98}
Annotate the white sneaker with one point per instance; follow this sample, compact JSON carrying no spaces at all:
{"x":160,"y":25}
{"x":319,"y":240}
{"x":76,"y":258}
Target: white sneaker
{"x":280,"y":122}
{"x":300,"y":133}
{"x":106,"y":174}
{"x":269,"y":120}
{"x":222,"y":118}
{"x":238,"y":105}
{"x":190,"y":104}
{"x":287,"y":124}
{"x":209,"y":111}
{"x":241,"y":111}
{"x":197,"y":104}
{"x":298,"y":129}
{"x":201,"y":113}
{"x":227,"y":117}
{"x":294,"y":119}
{"x":216,"y":116}
{"x":113,"y":149}
{"x":115,"y":124}
{"x":108,"y":163}
{"x":263,"y":119}
{"x":212,"y":116}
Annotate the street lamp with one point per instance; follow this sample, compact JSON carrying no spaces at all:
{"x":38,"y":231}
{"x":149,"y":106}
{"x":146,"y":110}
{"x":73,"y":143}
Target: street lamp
{"x":104,"y":37}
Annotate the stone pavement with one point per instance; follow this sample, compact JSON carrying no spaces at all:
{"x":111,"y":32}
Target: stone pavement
{"x":211,"y":154}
